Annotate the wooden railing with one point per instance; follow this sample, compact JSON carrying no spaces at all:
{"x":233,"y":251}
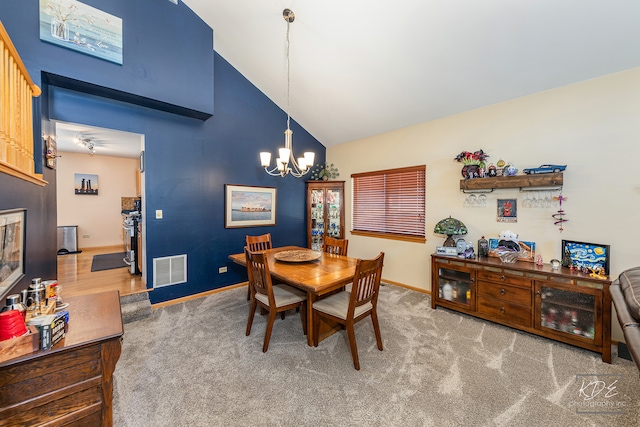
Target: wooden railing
{"x":16,"y":117}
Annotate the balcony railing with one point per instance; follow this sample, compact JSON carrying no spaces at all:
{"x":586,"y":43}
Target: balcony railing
{"x":16,"y":116}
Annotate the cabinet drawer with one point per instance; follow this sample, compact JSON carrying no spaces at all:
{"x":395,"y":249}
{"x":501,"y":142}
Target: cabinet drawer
{"x":504,"y":278}
{"x":506,"y":293}
{"x":505,"y":312}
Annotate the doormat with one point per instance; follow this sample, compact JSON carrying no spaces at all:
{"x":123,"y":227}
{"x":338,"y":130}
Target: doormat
{"x":108,"y":261}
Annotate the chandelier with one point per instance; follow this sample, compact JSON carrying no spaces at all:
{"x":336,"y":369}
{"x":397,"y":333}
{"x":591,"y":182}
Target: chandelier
{"x":286,"y":163}
{"x":85,"y":142}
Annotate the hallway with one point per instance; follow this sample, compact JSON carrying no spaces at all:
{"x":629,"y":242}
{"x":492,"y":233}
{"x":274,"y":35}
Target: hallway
{"x":76,"y":278}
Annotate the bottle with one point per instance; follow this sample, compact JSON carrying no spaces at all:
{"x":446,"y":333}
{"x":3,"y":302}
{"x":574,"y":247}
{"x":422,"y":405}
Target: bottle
{"x":454,"y":293}
{"x":483,"y":248}
{"x":468,"y":296}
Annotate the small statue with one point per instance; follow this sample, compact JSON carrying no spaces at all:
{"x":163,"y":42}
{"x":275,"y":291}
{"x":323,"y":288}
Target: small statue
{"x":539,"y":260}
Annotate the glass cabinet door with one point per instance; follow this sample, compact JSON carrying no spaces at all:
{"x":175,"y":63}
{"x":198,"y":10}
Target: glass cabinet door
{"x":334,"y":210}
{"x":456,"y":286}
{"x":317,"y":219}
{"x":575,"y":313}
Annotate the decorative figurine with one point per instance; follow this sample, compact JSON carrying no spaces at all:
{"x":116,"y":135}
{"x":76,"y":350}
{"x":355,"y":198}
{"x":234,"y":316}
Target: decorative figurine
{"x":559,"y":217}
{"x":539,"y":260}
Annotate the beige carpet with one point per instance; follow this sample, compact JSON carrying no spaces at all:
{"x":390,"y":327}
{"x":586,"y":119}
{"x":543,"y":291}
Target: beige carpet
{"x":190,"y":364}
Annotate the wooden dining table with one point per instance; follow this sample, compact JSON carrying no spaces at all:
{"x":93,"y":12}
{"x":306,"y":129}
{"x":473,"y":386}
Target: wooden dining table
{"x":318,"y":277}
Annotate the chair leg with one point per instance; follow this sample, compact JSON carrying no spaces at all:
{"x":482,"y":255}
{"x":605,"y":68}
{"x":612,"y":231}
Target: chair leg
{"x":252,"y":312}
{"x":282,"y":314}
{"x":352,"y":343}
{"x":248,"y":292}
{"x":267,"y":333}
{"x":316,"y":327}
{"x":303,"y":316}
{"x":376,"y":328}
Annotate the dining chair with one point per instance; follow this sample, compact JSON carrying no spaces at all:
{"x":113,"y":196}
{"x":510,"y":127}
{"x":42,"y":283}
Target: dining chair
{"x":255,"y":244}
{"x":273,"y":299}
{"x":349,"y":307}
{"x":335,"y":246}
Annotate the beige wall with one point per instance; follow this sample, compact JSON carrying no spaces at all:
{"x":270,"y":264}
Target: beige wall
{"x":96,"y":216}
{"x":593,"y":127}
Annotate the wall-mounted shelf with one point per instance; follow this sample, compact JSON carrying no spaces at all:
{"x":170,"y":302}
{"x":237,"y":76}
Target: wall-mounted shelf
{"x":517,"y":181}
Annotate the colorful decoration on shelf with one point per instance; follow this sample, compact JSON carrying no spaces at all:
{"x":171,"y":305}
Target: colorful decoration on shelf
{"x":324,"y":172}
{"x":559,"y":216}
{"x":474,"y":163}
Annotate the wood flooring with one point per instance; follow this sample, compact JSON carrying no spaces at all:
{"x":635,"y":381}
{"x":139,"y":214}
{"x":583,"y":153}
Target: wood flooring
{"x":76,"y":278}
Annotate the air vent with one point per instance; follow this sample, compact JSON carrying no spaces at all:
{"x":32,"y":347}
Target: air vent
{"x":169,"y":270}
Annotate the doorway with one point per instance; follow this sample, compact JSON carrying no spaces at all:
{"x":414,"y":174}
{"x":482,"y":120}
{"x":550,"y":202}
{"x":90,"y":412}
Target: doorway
{"x":114,"y":160}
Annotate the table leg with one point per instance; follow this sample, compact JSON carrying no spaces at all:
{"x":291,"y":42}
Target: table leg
{"x":311,"y":298}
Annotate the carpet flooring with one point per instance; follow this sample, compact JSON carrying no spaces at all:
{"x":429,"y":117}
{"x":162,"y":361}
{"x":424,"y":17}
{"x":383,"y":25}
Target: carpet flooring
{"x":190,"y":364}
{"x":108,"y":261}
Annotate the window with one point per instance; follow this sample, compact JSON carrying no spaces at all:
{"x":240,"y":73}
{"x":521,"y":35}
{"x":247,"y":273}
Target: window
{"x":390,"y":203}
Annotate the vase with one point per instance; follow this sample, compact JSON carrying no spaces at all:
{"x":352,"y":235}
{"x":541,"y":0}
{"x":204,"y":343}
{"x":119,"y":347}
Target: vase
{"x":59,"y":29}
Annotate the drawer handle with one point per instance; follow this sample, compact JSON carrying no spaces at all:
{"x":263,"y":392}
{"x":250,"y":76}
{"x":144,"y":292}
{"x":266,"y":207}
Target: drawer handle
{"x":503,"y":291}
{"x":502,"y":277}
{"x":502,"y":310}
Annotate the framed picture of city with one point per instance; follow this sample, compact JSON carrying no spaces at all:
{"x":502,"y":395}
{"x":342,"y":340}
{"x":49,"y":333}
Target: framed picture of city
{"x":86,"y":184}
{"x":247,"y":206}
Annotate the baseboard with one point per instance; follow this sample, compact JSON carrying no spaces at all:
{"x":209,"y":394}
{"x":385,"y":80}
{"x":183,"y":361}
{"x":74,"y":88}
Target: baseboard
{"x":196,"y":296}
{"x":402,"y":285}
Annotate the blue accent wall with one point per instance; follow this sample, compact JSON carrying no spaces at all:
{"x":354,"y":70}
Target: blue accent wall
{"x":188,"y":160}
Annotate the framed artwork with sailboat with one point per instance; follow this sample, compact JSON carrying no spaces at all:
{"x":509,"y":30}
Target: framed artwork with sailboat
{"x":248,"y":206}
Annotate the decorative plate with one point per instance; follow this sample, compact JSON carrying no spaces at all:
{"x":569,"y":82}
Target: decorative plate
{"x":298,"y":255}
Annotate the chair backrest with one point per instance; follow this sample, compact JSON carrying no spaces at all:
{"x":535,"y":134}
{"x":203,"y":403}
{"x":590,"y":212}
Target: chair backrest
{"x":259,"y":243}
{"x":366,"y":282}
{"x":335,"y":246}
{"x":259,"y":275}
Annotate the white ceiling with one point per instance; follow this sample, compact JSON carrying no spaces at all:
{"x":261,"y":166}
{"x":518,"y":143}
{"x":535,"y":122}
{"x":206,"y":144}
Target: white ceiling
{"x":364,"y":67}
{"x":107,"y":142}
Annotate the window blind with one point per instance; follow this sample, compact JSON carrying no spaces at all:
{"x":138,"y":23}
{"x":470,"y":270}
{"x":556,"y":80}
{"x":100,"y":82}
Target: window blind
{"x":390,"y":203}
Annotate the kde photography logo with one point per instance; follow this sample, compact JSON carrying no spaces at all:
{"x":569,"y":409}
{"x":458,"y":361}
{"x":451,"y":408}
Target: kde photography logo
{"x":598,"y":394}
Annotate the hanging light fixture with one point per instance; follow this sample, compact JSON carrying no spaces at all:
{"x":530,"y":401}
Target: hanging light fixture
{"x":286,"y":163}
{"x":86,"y":143}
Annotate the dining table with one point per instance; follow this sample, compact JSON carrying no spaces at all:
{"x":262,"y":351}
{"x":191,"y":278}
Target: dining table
{"x":317,"y":273}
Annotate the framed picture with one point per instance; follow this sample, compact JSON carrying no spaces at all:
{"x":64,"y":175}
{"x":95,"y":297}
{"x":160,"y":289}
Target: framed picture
{"x":247,"y":206}
{"x":80,"y":27}
{"x":527,"y":250}
{"x":507,"y":210}
{"x":51,"y":152}
{"x":86,"y":184}
{"x":12,"y":239}
{"x":592,"y":257}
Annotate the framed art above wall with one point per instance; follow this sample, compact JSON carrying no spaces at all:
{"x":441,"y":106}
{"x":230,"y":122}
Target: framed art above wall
{"x":85,"y":29}
{"x":247,"y":206}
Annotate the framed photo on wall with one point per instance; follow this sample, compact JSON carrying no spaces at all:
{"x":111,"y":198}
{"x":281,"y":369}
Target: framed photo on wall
{"x":585,"y":256}
{"x":12,"y":238}
{"x":247,"y":206}
{"x":86,"y":183}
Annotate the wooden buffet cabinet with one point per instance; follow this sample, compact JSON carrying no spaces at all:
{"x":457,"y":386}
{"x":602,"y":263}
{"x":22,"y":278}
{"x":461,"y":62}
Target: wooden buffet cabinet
{"x":71,"y":384}
{"x":560,"y":304}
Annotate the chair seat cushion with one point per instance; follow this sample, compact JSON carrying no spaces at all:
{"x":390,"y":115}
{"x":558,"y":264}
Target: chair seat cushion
{"x":284,"y":295}
{"x":338,"y":304}
{"x":630,"y":286}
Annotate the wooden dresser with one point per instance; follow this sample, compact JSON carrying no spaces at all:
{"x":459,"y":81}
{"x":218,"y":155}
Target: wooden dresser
{"x":71,"y":384}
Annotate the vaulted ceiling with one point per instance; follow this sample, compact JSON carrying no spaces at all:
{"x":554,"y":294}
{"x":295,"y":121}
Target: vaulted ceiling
{"x":364,"y":67}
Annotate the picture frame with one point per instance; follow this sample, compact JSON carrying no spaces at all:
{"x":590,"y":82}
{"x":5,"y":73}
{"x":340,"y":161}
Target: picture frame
{"x":51,"y":152}
{"x":507,"y":210}
{"x":527,"y":250}
{"x":249,"y":206}
{"x":586,"y":256}
{"x":85,"y":183}
{"x":12,"y":247}
{"x":77,"y":26}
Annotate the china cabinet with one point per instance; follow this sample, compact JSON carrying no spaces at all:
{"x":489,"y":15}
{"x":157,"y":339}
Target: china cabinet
{"x":559,"y":304}
{"x":325,"y":212}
